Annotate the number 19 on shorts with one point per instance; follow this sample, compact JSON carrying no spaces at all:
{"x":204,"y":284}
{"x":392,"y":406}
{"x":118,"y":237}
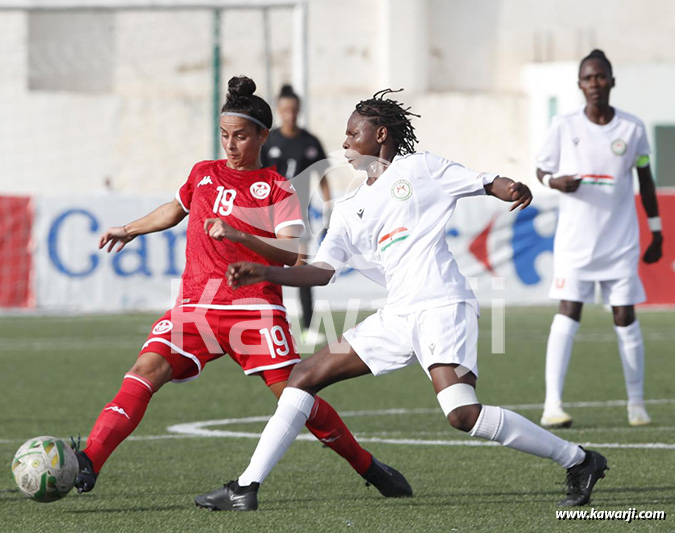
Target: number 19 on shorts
{"x":276,"y":341}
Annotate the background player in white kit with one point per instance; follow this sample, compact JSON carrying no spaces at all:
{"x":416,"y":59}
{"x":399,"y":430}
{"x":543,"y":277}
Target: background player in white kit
{"x":592,"y":152}
{"x":393,"y":225}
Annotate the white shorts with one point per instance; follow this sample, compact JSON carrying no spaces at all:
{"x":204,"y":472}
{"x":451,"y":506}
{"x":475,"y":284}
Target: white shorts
{"x":445,"y":335}
{"x":615,"y":292}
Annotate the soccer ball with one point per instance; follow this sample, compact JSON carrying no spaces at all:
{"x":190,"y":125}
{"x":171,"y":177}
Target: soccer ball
{"x":45,"y":469}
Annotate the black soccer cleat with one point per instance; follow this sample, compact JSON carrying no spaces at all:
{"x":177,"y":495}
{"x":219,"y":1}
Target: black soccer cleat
{"x":389,"y":481}
{"x":581,"y":479}
{"x":230,"y":497}
{"x":86,"y":477}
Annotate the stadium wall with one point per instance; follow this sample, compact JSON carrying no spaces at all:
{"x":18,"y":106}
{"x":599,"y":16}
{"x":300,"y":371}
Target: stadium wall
{"x":49,"y":258}
{"x":148,"y":117}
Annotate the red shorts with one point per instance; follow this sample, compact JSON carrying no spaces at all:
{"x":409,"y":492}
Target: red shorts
{"x":258,"y":341}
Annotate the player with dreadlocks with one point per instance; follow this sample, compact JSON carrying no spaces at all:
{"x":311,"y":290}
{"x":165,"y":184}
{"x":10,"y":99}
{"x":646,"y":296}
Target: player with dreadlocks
{"x":392,"y":228}
{"x":392,"y":115}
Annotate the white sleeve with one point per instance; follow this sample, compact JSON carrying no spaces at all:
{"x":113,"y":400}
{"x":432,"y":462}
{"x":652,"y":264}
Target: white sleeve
{"x":548,"y":158}
{"x":336,"y":248}
{"x":455,"y":179}
{"x":642,"y":141}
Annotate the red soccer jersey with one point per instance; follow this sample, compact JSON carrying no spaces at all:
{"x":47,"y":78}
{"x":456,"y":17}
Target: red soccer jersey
{"x":259,"y":202}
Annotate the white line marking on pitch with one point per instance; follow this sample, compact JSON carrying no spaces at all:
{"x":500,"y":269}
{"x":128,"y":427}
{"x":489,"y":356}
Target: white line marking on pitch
{"x":199,"y":429}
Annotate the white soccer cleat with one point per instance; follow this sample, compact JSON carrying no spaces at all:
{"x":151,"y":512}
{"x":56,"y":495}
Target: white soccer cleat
{"x":637,"y":415}
{"x":554,"y":417}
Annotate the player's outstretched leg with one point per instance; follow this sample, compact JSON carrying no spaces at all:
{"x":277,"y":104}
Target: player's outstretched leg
{"x":293,"y":410}
{"x":584,"y":467}
{"x":461,"y":406}
{"x":115,"y":423}
{"x":327,"y":426}
{"x":295,"y":407}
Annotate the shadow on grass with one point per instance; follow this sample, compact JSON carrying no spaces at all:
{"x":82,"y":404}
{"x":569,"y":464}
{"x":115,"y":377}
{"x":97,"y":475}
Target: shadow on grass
{"x":639,"y":489}
{"x":664,"y":493}
{"x":126,"y":510}
{"x":608,"y":496}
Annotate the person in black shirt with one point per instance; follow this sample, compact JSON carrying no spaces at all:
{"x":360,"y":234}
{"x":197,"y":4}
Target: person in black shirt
{"x":297,"y":155}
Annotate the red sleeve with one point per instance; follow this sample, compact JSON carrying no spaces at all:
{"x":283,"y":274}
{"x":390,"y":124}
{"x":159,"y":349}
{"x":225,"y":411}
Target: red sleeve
{"x":184,"y":193}
{"x":286,"y":206}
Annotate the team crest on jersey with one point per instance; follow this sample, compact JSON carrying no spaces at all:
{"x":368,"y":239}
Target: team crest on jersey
{"x":401,"y":190}
{"x":260,"y":190}
{"x":619,"y":147}
{"x":162,"y":327}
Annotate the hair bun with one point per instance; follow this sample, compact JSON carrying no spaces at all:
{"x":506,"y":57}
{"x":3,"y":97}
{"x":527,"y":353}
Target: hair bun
{"x":597,"y":53}
{"x":241,"y":86}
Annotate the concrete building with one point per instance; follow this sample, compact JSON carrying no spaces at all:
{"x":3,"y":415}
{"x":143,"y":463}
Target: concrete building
{"x":122,"y":99}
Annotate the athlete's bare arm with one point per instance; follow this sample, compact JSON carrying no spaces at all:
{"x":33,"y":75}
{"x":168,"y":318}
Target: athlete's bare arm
{"x":283,"y":249}
{"x":164,"y":217}
{"x":245,"y":273}
{"x":510,"y":191}
{"x":648,"y":195}
{"x":568,"y":183}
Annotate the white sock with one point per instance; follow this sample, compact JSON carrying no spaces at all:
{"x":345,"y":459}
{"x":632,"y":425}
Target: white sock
{"x":281,"y":430}
{"x":632,"y":352}
{"x":517,"y":432}
{"x":558,"y":352}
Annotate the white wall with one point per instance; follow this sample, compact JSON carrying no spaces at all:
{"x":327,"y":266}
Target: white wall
{"x":483,"y":45}
{"x":460,"y":61}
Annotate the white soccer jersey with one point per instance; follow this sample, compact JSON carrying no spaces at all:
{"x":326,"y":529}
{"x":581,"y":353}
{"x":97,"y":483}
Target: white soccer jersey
{"x":394,"y":231}
{"x":597,"y":235}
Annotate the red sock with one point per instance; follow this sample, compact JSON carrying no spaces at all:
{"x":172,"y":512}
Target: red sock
{"x":327,"y":426}
{"x":118,"y":419}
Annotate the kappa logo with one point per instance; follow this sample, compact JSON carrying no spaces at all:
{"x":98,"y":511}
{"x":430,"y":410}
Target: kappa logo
{"x":162,"y":327}
{"x":206,"y":180}
{"x":260,"y":190}
{"x":117,"y":410}
{"x":432,"y":347}
{"x":360,"y":213}
{"x":401,"y":190}
{"x":575,"y":141}
{"x":328,"y":440}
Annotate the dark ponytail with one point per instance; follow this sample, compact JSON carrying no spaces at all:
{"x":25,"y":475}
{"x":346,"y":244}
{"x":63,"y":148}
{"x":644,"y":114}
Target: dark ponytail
{"x":240,"y":99}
